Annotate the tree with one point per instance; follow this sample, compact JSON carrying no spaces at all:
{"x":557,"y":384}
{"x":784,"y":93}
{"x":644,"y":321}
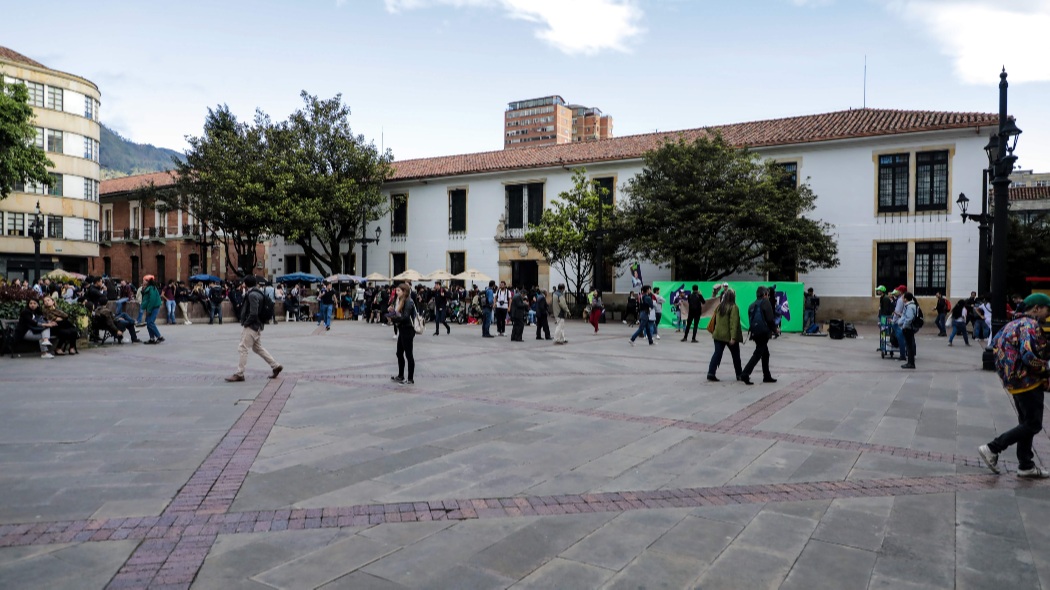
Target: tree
{"x":232,"y":183}
{"x":712,"y":210}
{"x":335,"y":180}
{"x":568,"y":232}
{"x":1027,"y":255}
{"x":21,"y":161}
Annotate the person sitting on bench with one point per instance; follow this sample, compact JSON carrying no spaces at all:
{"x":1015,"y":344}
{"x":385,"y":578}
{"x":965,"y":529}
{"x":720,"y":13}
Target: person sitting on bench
{"x":32,"y":325}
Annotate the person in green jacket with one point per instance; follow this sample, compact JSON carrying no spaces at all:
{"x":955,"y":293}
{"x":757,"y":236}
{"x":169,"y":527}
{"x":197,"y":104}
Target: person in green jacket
{"x":150,"y":307}
{"x":727,"y":332}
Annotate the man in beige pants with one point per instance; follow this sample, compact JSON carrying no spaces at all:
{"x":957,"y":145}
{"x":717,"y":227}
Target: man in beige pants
{"x":251,"y":336}
{"x":561,"y":311}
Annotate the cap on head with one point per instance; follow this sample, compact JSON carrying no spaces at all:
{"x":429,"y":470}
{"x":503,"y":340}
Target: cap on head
{"x":880,"y":289}
{"x":1037,"y":299}
{"x":902,"y":288}
{"x":148,"y":278}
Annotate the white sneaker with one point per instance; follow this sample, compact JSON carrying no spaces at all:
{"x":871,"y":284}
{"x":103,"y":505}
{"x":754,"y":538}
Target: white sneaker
{"x":632,"y":342}
{"x":991,"y":459}
{"x":188,"y":323}
{"x":657,"y":336}
{"x":1033,"y":473}
{"x":48,"y":355}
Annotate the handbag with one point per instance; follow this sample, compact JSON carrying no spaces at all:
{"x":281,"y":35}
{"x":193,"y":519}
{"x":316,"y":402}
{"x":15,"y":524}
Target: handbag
{"x":418,"y":324}
{"x":711,"y":322}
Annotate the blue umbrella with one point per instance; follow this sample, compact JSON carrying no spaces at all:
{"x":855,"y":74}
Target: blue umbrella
{"x":299,"y":277}
{"x":206,"y":278}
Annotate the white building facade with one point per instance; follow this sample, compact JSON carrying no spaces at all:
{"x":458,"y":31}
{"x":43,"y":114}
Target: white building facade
{"x":887,"y":180}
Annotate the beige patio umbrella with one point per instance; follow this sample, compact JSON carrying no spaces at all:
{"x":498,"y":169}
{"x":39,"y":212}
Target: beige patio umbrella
{"x":440,"y":275}
{"x":377,"y":277}
{"x":472,"y":274}
{"x":409,"y":275}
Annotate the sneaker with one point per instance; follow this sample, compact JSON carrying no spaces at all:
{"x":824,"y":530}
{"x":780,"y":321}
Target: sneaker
{"x":907,"y":366}
{"x":47,"y":355}
{"x":159,"y":340}
{"x":712,"y":378}
{"x":327,"y":328}
{"x":408,"y":382}
{"x":235,"y":378}
{"x":188,"y":323}
{"x":397,"y":379}
{"x":150,"y":341}
{"x":1033,"y":473}
{"x":276,"y":371}
{"x":990,"y":459}
{"x":769,"y":380}
{"x":632,"y":342}
{"x":657,"y":336}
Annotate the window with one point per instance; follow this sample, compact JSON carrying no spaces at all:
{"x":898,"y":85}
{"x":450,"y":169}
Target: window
{"x":16,"y":224}
{"x":32,"y":187}
{"x":397,"y":263}
{"x":36,"y":94}
{"x":107,"y":266}
{"x":609,"y":184}
{"x":161,"y":263}
{"x":90,"y":230}
{"x":524,"y":207}
{"x":39,"y":140}
{"x":90,"y":108}
{"x":931,"y":268}
{"x":931,"y":181}
{"x":350,"y":263}
{"x":893,"y":183}
{"x":107,"y":220}
{"x":54,"y":141}
{"x":135,"y":270}
{"x":54,"y":98}
{"x":54,"y":188}
{"x":91,"y":190}
{"x":54,"y":227}
{"x":457,"y":262}
{"x":891,"y":264}
{"x":399,"y":215}
{"x":195,"y":263}
{"x":790,"y":178}
{"x":457,"y":210}
{"x":91,"y":149}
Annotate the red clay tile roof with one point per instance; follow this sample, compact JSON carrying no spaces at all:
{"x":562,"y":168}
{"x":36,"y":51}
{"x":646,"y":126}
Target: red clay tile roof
{"x":10,"y":55}
{"x":130,"y":183}
{"x":1029,"y":193}
{"x":849,"y":124}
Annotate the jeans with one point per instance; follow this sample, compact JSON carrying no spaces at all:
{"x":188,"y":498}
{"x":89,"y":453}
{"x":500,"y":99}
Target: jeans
{"x":1029,"y":422}
{"x":215,"y":311}
{"x":761,"y":354}
{"x":120,"y":304}
{"x":902,"y":344}
{"x":716,"y":358}
{"x":980,"y":329}
{"x":139,"y":320}
{"x":644,"y":327}
{"x":808,"y":317}
{"x":151,"y":324}
{"x":441,"y":317}
{"x":326,"y":315}
{"x":941,"y":326}
{"x":486,"y":320}
{"x":959,"y":327}
{"x":909,"y":344}
{"x":170,"y":305}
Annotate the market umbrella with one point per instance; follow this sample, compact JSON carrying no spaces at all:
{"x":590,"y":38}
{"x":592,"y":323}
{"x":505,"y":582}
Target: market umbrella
{"x":206,"y":278}
{"x":299,"y":277}
{"x":472,"y":274}
{"x":59,"y":273}
{"x":409,"y":275}
{"x":377,"y":277}
{"x":440,"y":275}
{"x":344,"y":278}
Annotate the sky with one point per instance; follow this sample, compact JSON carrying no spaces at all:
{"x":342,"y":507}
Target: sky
{"x":433,"y":77}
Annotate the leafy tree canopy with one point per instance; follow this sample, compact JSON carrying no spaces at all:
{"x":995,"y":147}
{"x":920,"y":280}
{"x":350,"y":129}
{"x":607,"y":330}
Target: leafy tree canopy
{"x":21,"y":160}
{"x":712,"y":210}
{"x":1027,"y":254}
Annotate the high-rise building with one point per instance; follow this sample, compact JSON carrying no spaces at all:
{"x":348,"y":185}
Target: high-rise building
{"x":550,"y":121}
{"x":65,"y":109}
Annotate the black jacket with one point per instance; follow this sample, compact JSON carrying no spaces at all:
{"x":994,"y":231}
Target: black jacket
{"x":696,"y":302}
{"x":250,"y":312}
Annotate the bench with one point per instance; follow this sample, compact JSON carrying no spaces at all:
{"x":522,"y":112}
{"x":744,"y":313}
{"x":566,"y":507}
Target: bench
{"x":9,"y":344}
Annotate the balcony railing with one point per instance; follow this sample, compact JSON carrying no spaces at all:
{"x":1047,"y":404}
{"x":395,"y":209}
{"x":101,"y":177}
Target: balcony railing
{"x":105,"y":236}
{"x":131,"y":234}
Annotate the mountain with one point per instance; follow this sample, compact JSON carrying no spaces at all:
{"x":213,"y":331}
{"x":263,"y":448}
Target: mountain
{"x":123,"y":157}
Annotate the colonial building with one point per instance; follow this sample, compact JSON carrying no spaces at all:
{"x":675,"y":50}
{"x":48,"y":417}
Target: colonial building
{"x":137,"y":239}
{"x":884,"y":178}
{"x":65,"y":108}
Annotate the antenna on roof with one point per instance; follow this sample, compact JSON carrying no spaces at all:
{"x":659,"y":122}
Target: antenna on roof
{"x":865,"y":103}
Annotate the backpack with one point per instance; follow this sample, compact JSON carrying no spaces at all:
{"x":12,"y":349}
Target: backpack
{"x":918,"y":321}
{"x":418,"y":323}
{"x":756,"y":321}
{"x":215,"y":295}
{"x":265,"y":309}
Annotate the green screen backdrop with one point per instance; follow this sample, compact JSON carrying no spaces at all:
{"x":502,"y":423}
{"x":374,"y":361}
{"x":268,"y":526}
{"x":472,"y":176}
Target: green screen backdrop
{"x":745,"y":296}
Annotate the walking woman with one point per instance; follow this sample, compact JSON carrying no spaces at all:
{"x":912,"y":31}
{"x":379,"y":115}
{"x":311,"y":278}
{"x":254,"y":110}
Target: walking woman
{"x":150,"y":307}
{"x":402,"y":312}
{"x":169,"y":301}
{"x":959,"y":322}
{"x":760,"y":323}
{"x":596,"y":309}
{"x":727,"y":332}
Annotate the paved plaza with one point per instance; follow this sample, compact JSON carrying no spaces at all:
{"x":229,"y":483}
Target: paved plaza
{"x":509,"y":465}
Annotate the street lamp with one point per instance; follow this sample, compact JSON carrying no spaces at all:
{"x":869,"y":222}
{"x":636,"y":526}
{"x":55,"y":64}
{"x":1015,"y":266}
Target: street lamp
{"x":1002,"y":165}
{"x":36,"y":231}
{"x":364,"y":240}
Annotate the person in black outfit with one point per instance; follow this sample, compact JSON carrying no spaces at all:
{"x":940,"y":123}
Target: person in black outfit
{"x":440,"y":309}
{"x":760,"y":316}
{"x":518,"y":311}
{"x":403,"y":310}
{"x":542,"y":311}
{"x":696,"y":308}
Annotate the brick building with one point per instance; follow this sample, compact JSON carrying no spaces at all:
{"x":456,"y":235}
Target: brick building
{"x":136,"y":239}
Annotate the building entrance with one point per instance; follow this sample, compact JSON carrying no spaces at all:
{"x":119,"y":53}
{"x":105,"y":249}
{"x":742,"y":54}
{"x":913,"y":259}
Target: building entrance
{"x":525,"y":273}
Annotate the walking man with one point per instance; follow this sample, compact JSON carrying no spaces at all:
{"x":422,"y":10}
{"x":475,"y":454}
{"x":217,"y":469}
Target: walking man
{"x":561,"y":311}
{"x":906,"y":326}
{"x":1020,"y":360}
{"x":502,"y":306}
{"x":518,"y":310}
{"x":696,"y":308}
{"x":251,"y":335}
{"x":942,"y":314}
{"x":645,"y":306}
{"x":542,"y":311}
{"x":486,"y":309}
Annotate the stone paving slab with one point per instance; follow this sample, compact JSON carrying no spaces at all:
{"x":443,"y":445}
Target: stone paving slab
{"x":524,"y":465}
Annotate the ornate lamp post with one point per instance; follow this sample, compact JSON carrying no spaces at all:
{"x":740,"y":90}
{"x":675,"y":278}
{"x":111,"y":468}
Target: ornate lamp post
{"x":1002,"y":165}
{"x":36,"y":231}
{"x":364,"y":240}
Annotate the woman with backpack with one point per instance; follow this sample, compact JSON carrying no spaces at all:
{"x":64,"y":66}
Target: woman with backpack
{"x":760,"y":323}
{"x":908,"y":327}
{"x":402,"y":312}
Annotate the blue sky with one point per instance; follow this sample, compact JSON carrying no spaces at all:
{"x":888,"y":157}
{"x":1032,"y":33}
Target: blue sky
{"x":433,"y":77}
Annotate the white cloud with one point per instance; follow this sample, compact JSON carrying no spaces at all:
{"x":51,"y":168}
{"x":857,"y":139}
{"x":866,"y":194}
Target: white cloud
{"x":577,"y":27}
{"x":812,"y":3}
{"x":982,"y":36}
